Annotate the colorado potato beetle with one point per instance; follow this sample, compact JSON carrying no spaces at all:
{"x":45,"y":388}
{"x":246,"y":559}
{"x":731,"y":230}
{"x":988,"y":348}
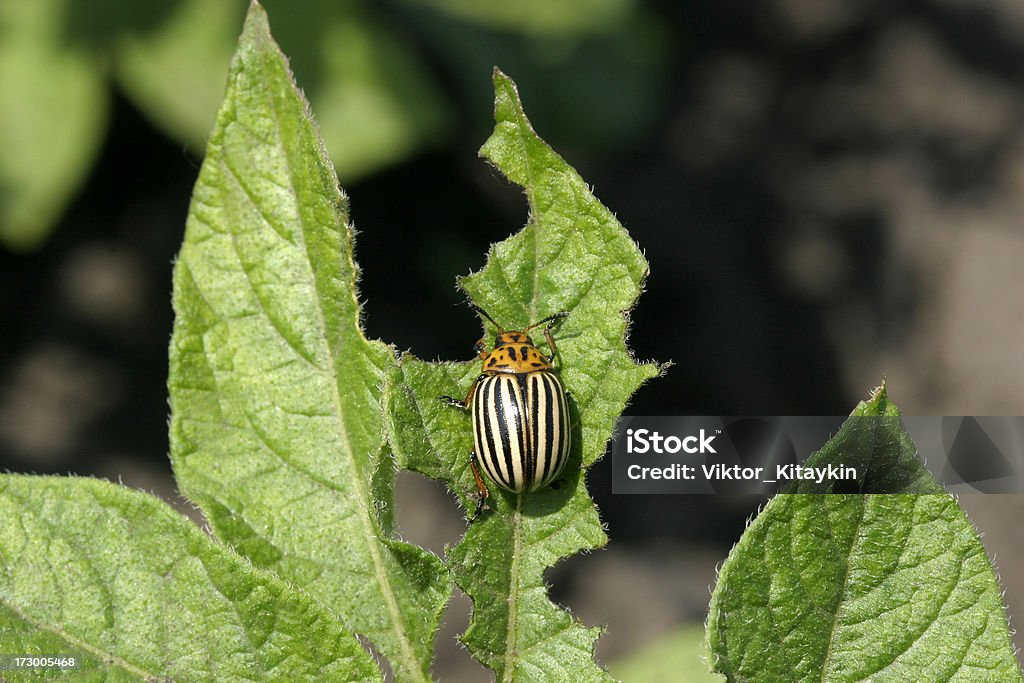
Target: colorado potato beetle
{"x":520,"y":414}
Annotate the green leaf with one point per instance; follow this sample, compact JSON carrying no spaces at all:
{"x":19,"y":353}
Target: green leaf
{"x":838,"y":588}
{"x":175,"y":71}
{"x":539,"y":16}
{"x":611,"y":49}
{"x":55,"y":107}
{"x":574,"y":256}
{"x":375,"y":102}
{"x":116,"y":577}
{"x":276,"y":426}
{"x":678,"y":657}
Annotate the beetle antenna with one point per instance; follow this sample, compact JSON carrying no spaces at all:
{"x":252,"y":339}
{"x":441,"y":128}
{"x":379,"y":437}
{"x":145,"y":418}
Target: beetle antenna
{"x":486,"y":315}
{"x":550,"y":318}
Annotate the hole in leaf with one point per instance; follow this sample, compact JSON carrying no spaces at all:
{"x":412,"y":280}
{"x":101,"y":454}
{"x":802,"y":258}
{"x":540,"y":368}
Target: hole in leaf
{"x":382,"y":661}
{"x":425,"y":513}
{"x":453,"y":662}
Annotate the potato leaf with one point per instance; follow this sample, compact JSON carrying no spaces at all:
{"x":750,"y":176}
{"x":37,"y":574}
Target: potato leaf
{"x":135,"y":591}
{"x":573,"y":256}
{"x":276,"y":427}
{"x":839,"y":588}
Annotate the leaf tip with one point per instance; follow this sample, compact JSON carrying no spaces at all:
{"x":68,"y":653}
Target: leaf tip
{"x":507,"y":103}
{"x":500,"y":78}
{"x":256,"y":18}
{"x":877,"y":403}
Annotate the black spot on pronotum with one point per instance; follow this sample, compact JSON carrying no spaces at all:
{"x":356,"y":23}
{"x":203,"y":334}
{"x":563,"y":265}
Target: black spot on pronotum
{"x":512,"y":354}
{"x":536,"y":365}
{"x":524,"y":350}
{"x":492,"y":361}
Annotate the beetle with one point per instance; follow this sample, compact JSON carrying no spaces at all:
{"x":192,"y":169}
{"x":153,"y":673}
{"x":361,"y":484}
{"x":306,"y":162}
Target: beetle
{"x":521,"y":434}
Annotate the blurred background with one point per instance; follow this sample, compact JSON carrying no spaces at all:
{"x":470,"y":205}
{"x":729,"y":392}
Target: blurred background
{"x":828,"y":191}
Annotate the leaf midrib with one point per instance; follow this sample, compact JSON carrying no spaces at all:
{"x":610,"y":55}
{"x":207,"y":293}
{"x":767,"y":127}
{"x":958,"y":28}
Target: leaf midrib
{"x":531,"y":199}
{"x":370,"y":533}
{"x":842,"y":593}
{"x":511,"y":648}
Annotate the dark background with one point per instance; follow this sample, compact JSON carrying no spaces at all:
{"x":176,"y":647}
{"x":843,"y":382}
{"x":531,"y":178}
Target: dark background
{"x":828,"y":192}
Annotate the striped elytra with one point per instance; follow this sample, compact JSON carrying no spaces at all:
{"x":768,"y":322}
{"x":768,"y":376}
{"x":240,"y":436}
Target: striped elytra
{"x":521,"y":429}
{"x":520,"y":413}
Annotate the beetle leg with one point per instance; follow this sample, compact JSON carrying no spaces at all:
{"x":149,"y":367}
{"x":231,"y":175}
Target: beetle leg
{"x":481,"y":488}
{"x":462,"y":403}
{"x":550,"y":320}
{"x":551,"y":344}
